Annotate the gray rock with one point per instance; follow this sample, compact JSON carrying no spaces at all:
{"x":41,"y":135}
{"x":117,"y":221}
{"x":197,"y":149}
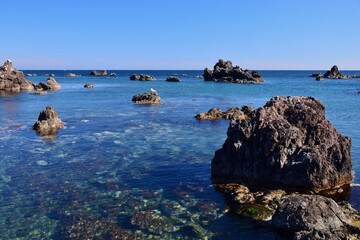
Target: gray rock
{"x":173,"y":79}
{"x":51,"y":84}
{"x":286,"y":144}
{"x":12,"y":80}
{"x":147,"y":98}
{"x":335,"y":74}
{"x":98,"y":73}
{"x":142,"y":77}
{"x":230,"y":114}
{"x":48,"y":122}
{"x":89,"y":85}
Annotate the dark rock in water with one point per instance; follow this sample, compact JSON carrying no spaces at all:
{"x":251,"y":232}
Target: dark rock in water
{"x":335,"y":74}
{"x":12,"y":80}
{"x":173,"y":79}
{"x":225,"y":72}
{"x":288,"y":144}
{"x":48,"y":122}
{"x":319,"y":78}
{"x":315,"y":75}
{"x":142,"y":77}
{"x":51,"y":84}
{"x":231,"y":113}
{"x":98,"y":73}
{"x":89,"y":85}
{"x":355,"y":76}
{"x":314,"y":217}
{"x":113,"y":74}
{"x":72,"y":75}
{"x":147,"y":98}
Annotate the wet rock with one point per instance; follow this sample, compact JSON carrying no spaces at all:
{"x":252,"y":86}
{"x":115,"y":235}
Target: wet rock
{"x":39,"y":92}
{"x":113,"y":74}
{"x":199,"y":76}
{"x":287,"y":144}
{"x":147,"y":98}
{"x":51,"y":84}
{"x":312,"y":217}
{"x":142,"y":77}
{"x":98,"y":73}
{"x":225,"y":72}
{"x":355,"y":76}
{"x":319,"y":78}
{"x":89,"y":85}
{"x":315,"y":75}
{"x":230,"y":114}
{"x":335,"y":74}
{"x":72,"y":75}
{"x":12,"y":80}
{"x":173,"y":79}
{"x":48,"y":122}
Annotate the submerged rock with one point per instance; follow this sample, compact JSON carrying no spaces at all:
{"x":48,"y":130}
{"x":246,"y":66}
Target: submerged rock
{"x":12,"y":80}
{"x":230,"y":114}
{"x":335,"y":74}
{"x":147,"y":98}
{"x":142,"y":77}
{"x":225,"y":72}
{"x":98,"y":73}
{"x":51,"y":84}
{"x":48,"y":122}
{"x":287,"y":144}
{"x":173,"y":79}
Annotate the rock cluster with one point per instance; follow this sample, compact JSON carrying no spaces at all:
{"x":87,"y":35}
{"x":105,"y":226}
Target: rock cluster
{"x":230,"y":114}
{"x":335,"y":74}
{"x":225,"y":72}
{"x":51,"y":84}
{"x":287,"y":144}
{"x":147,"y":98}
{"x":12,"y":80}
{"x":48,"y":122}
{"x":173,"y":79}
{"x":142,"y":77}
{"x":98,"y":73}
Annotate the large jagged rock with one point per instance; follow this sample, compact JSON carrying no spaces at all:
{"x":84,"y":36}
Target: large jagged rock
{"x":147,"y":98}
{"x":230,"y":114}
{"x":287,"y":144}
{"x":98,"y":73}
{"x":335,"y":74}
{"x":314,"y":217}
{"x":12,"y":80}
{"x":142,"y":77}
{"x":225,"y":72}
{"x":51,"y":84}
{"x":48,"y":122}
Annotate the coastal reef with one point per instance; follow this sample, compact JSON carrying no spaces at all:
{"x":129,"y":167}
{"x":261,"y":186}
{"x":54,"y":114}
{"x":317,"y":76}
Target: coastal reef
{"x":151,"y":97}
{"x":48,"y":122}
{"x":225,"y":72}
{"x":287,"y":144}
{"x":142,"y":77}
{"x":12,"y":80}
{"x":230,"y":114}
{"x":51,"y":84}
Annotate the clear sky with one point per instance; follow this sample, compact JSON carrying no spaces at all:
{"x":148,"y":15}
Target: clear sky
{"x":180,"y":34}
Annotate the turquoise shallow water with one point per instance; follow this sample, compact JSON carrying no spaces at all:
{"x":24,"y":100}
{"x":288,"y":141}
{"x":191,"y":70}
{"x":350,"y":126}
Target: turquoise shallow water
{"x":138,"y":170}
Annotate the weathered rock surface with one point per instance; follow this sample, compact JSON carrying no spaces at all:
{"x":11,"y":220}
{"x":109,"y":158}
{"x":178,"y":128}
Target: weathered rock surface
{"x":225,"y":72}
{"x":287,"y":144}
{"x":142,"y":77}
{"x":335,"y":74}
{"x":48,"y":122}
{"x":12,"y":80}
{"x":89,"y":85}
{"x":147,"y":98}
{"x":230,"y":114}
{"x":173,"y":79}
{"x":51,"y":84}
{"x":314,"y":217}
{"x":98,"y":73}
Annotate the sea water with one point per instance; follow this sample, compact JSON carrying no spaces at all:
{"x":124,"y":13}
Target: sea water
{"x":138,"y":171}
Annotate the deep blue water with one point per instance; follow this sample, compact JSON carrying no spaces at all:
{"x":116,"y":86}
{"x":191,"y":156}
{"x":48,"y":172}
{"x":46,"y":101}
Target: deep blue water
{"x":116,"y":160}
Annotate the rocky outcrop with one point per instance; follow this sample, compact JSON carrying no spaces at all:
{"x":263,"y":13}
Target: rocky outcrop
{"x":48,"y":122}
{"x":230,"y":114}
{"x":315,"y":75}
{"x":142,"y":77}
{"x":173,"y":79}
{"x":98,"y":73}
{"x":113,"y":74}
{"x":335,"y":74}
{"x":72,"y":75}
{"x":319,"y":78}
{"x":51,"y":84}
{"x":225,"y":72}
{"x":288,"y":144}
{"x":12,"y":80}
{"x":147,"y":98}
{"x":315,"y":217}
{"x":89,"y":85}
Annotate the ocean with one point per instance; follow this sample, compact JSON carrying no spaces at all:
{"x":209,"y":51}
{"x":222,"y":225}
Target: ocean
{"x":139,"y":171}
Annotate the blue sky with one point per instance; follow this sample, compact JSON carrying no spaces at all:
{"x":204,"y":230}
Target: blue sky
{"x":180,"y":34}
